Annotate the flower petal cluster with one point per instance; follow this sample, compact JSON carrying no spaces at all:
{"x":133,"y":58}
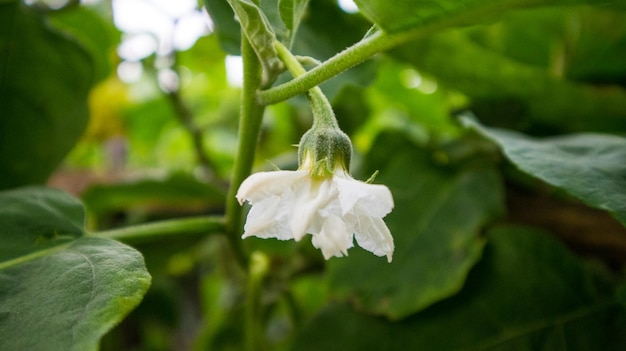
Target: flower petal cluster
{"x":334,"y":209}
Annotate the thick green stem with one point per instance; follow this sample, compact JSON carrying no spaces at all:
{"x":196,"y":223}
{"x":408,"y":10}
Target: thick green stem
{"x":251,"y":115}
{"x":194,"y":226}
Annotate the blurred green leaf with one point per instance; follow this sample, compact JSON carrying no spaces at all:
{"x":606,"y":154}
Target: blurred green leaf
{"x":44,"y":83}
{"x":226,"y":26}
{"x":291,"y":12}
{"x":409,"y":13}
{"x":527,"y":293}
{"x":398,"y":101}
{"x":581,"y":43}
{"x":591,"y":167}
{"x":60,"y":289}
{"x":93,"y":33}
{"x":175,"y":191}
{"x":438,"y":214}
{"x":517,"y":76}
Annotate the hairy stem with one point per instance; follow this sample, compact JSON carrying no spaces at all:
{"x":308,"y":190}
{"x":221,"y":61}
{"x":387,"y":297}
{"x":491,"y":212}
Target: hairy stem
{"x":322,"y":110}
{"x":193,"y":226}
{"x":251,"y":115}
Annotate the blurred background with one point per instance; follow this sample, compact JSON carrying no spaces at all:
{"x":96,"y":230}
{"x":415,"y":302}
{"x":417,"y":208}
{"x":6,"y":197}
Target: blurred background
{"x":145,"y":128}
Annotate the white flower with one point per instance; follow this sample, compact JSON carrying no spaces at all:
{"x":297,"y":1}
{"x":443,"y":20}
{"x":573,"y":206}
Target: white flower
{"x":333,"y":209}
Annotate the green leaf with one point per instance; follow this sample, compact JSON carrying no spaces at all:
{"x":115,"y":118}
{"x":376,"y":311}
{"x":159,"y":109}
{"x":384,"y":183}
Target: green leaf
{"x":527,"y":293}
{"x":291,"y":12}
{"x":60,"y":289}
{"x":406,"y":14}
{"x":525,"y":71}
{"x":60,"y":219}
{"x":583,"y":44}
{"x":271,"y":11}
{"x":438,"y":214}
{"x":94,"y":34}
{"x":44,"y":82}
{"x":225,"y":24}
{"x":591,"y":167}
{"x":261,"y":36}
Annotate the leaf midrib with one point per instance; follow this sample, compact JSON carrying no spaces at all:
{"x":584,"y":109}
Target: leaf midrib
{"x":34,"y":255}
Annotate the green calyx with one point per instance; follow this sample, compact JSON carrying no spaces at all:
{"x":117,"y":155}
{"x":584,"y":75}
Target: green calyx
{"x":322,"y":149}
{"x":325,"y":146}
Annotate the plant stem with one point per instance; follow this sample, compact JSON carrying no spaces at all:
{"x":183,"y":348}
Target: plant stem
{"x":194,"y":226}
{"x":259,"y":266}
{"x":322,"y":110}
{"x":250,"y":118}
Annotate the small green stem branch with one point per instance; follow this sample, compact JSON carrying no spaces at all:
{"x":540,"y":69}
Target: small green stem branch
{"x":322,"y":110}
{"x":251,"y":115}
{"x":195,"y":226}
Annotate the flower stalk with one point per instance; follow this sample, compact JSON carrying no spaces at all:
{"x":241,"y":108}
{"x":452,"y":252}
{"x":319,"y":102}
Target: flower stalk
{"x":325,"y":145}
{"x":320,"y":198}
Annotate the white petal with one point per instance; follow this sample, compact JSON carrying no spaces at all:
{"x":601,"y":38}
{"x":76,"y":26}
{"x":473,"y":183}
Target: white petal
{"x":369,"y":199}
{"x":310,"y":197}
{"x":263,"y":184}
{"x":268,"y":218}
{"x":333,"y":239}
{"x":373,"y":235}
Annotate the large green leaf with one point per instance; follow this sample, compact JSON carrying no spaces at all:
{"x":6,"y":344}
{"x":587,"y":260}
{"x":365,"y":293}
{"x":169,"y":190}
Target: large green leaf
{"x":527,"y":293}
{"x":581,"y":43}
{"x":406,"y":14}
{"x":591,"y":167}
{"x":60,"y":219}
{"x":94,"y":34}
{"x":438,"y":214}
{"x":60,"y":289}
{"x":225,"y":24}
{"x":525,"y":71}
{"x":44,"y":82}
